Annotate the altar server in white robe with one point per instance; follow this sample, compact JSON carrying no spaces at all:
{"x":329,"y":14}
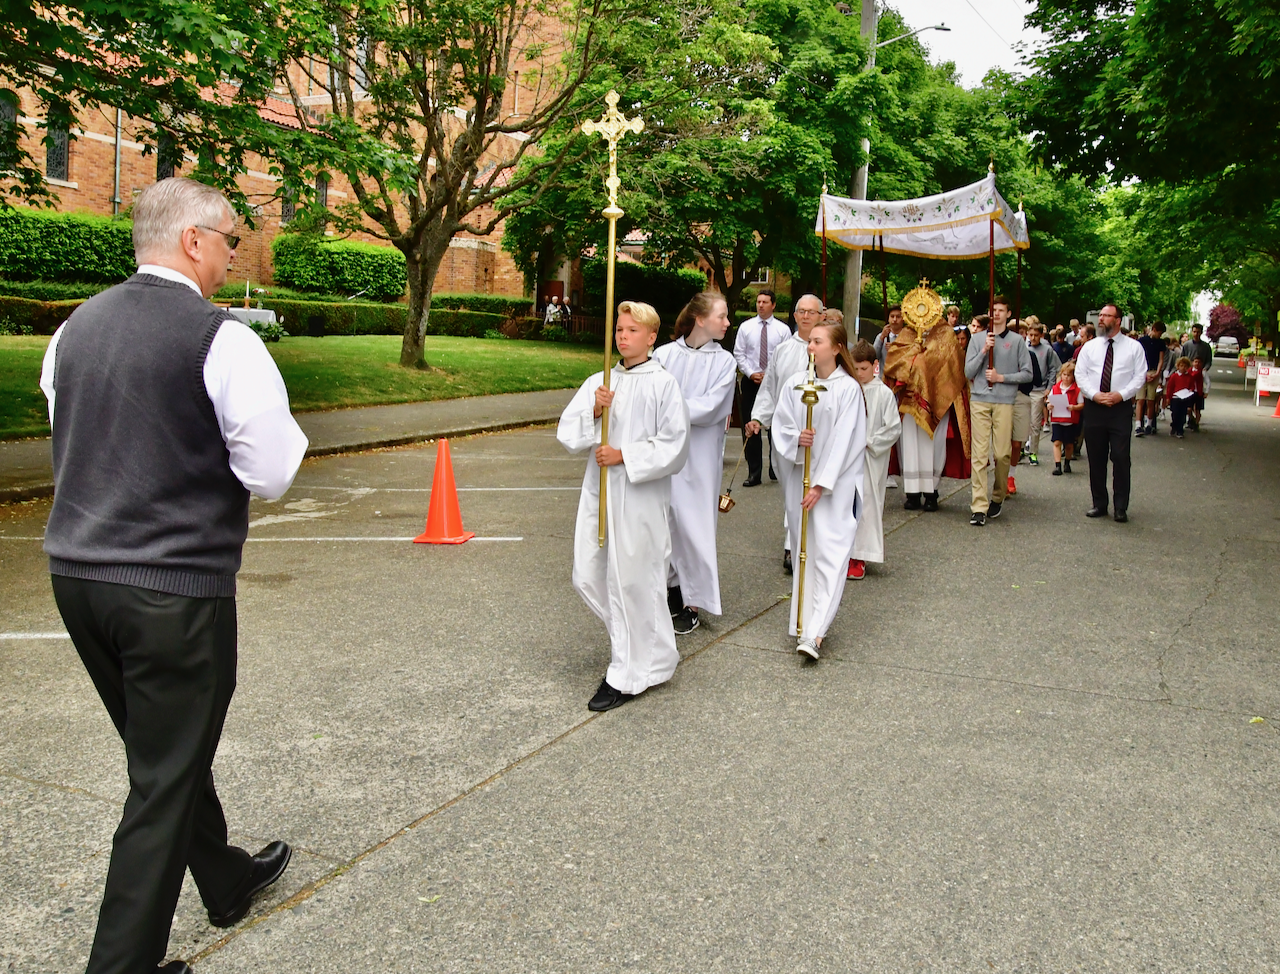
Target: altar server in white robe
{"x":790,"y":357}
{"x":837,"y":440}
{"x":705,"y":372}
{"x":624,"y":583}
{"x":884,"y":426}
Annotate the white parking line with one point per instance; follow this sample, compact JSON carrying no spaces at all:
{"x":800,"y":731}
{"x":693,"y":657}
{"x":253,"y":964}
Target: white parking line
{"x":34,"y":635}
{"x":427,"y":490}
{"x":263,"y":540}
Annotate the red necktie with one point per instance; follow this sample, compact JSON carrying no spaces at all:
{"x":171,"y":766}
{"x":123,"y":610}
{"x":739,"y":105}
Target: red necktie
{"x":1105,"y":384}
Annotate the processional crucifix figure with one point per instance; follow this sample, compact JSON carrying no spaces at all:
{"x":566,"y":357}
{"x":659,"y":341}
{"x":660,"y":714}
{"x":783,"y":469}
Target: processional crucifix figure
{"x":613,"y":125}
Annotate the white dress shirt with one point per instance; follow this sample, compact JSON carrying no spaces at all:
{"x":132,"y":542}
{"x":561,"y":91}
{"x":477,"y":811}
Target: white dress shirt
{"x":1128,"y":366}
{"x":746,"y":346}
{"x":264,"y":442}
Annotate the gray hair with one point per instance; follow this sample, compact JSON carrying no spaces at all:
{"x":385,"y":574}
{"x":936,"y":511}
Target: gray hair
{"x":165,"y":209}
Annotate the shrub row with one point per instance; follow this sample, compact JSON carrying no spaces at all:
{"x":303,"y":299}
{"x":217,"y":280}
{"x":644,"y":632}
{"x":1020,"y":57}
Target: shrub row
{"x":338,"y":267}
{"x":366,"y":318}
{"x":41,"y":317}
{"x":50,"y":290}
{"x":36,"y":245}
{"x":497,"y":304}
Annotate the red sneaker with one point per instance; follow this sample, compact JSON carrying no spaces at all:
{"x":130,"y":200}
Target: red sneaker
{"x":1013,"y":488}
{"x":857,"y":568}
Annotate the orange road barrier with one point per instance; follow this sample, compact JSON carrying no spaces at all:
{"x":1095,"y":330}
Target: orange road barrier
{"x":444,"y":516}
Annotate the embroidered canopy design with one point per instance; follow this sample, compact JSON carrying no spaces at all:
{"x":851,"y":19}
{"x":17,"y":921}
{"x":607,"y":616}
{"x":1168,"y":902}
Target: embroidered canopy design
{"x":955,"y":225}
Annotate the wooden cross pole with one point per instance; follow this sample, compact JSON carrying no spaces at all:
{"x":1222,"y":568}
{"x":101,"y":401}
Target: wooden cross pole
{"x":612,"y":125}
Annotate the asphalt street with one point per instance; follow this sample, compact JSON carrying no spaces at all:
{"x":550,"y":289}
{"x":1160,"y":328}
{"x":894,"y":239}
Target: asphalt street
{"x":1046,"y":745}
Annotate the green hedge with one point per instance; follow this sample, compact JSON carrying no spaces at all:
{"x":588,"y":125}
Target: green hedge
{"x":50,"y":290}
{"x":36,"y":245}
{"x":42,"y":317}
{"x":667,"y":289}
{"x":338,"y":267}
{"x":498,"y":304}
{"x":367,"y":318}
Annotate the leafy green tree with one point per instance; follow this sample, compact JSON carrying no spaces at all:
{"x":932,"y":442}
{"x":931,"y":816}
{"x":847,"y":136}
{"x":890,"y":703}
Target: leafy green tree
{"x":195,"y":68}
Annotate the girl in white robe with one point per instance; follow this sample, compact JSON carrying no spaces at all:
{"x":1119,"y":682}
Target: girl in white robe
{"x":624,"y":583}
{"x":884,"y":426}
{"x":705,"y":372}
{"x":838,"y":440}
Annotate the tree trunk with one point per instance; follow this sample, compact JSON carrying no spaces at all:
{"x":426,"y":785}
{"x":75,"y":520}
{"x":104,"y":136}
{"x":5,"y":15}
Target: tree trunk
{"x":421,"y":271}
{"x":411,"y":347}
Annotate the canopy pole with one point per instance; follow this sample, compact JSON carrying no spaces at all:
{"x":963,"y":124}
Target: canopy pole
{"x":824,"y":245}
{"x":991,"y":291}
{"x":1017,"y":294}
{"x":884,"y":281}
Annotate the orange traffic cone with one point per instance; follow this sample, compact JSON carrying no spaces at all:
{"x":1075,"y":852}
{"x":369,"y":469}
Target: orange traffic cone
{"x":1276,"y":414}
{"x":444,"y":517}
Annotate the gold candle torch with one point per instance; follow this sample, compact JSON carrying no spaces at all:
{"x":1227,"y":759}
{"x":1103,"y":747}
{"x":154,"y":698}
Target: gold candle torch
{"x":809,"y":396}
{"x":612,"y":125}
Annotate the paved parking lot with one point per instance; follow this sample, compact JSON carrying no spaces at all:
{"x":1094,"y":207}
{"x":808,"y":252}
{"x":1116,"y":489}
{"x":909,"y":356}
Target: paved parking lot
{"x":1034,"y":747}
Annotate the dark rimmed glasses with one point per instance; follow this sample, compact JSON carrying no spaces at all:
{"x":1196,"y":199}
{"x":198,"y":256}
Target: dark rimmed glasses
{"x":233,"y":240}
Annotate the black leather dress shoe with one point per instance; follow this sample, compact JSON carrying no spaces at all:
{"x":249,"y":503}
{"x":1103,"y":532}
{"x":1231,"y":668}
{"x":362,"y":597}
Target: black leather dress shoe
{"x":268,"y":866}
{"x":607,"y":698}
{"x":1122,"y":517}
{"x":1096,"y":512}
{"x":174,"y":967}
{"x":751,"y":482}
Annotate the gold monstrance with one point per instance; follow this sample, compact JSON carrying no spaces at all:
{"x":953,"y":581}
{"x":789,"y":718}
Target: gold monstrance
{"x":613,"y":125}
{"x":809,"y":396}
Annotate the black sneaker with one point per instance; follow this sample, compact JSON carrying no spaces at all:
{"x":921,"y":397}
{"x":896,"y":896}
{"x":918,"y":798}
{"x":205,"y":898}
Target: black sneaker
{"x":675,"y":600}
{"x":994,"y":509}
{"x":977,"y":519}
{"x":607,"y":698}
{"x":1140,"y":431}
{"x":685,"y":621}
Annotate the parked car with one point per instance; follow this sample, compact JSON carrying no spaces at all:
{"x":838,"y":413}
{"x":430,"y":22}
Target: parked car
{"x":1227,"y":346}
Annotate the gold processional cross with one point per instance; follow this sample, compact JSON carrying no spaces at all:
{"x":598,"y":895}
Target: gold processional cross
{"x":613,"y":125}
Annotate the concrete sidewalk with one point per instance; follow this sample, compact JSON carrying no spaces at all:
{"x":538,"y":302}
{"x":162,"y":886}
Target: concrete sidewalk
{"x":26,"y":471}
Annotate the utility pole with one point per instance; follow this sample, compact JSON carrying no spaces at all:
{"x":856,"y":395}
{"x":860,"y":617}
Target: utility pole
{"x":853,"y":263}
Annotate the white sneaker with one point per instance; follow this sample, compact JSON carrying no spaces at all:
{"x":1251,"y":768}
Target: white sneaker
{"x":807,"y":647}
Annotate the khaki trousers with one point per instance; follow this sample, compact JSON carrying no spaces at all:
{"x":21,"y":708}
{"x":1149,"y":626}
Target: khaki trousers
{"x":991,"y":432}
{"x":1039,"y":400}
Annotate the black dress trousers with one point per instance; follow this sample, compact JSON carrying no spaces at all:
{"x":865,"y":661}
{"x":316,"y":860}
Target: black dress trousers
{"x":165,"y":668}
{"x":1108,"y":433}
{"x":754,"y":449}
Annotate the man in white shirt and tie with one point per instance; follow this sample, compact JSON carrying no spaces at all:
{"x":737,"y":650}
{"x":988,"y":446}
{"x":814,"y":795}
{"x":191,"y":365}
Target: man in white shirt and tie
{"x":1109,"y":371}
{"x":752,"y":349}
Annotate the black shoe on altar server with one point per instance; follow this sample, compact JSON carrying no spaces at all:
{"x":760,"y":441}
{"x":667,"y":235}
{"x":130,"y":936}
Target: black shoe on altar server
{"x":607,"y":698}
{"x":268,"y":866}
{"x":931,"y":501}
{"x":912,"y":503}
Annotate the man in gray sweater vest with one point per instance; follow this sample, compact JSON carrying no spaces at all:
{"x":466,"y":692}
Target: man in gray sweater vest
{"x":991,"y":408}
{"x":165,"y":416}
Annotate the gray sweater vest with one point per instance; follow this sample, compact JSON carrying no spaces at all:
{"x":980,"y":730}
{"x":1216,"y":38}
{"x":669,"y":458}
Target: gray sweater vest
{"x":144,"y":494}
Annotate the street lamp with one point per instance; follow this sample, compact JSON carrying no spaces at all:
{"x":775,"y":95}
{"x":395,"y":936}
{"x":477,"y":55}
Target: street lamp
{"x":853,"y":264}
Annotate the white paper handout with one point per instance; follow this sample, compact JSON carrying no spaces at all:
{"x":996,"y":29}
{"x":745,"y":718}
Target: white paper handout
{"x":1059,"y":406}
{"x":1183,"y":394}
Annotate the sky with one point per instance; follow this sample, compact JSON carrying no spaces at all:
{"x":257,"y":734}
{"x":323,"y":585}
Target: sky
{"x":983,"y":33}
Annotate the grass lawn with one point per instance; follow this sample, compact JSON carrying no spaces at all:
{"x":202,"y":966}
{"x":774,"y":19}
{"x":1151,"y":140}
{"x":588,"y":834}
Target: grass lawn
{"x":337,"y":371}
{"x":23,"y":410}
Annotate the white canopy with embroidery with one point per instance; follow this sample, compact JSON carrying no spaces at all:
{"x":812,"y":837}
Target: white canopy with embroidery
{"x":956,"y":225}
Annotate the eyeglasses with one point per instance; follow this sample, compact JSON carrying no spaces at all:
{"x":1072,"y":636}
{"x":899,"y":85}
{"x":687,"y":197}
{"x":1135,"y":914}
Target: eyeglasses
{"x":233,"y":240}
{"x":807,"y":311}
